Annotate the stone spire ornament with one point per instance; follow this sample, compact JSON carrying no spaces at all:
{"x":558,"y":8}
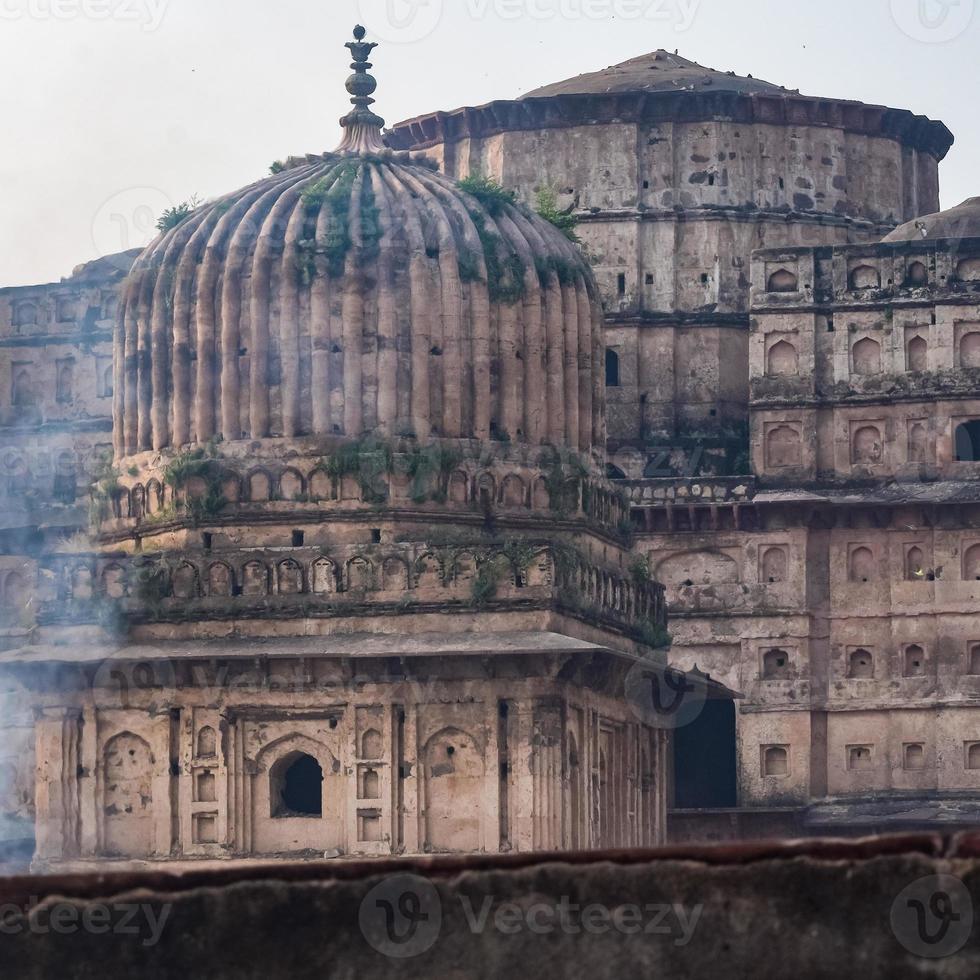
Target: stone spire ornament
{"x":362,"y":127}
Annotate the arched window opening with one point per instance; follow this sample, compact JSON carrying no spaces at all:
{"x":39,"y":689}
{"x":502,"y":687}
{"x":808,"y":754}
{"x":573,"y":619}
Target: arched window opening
{"x":975,"y":659}
{"x":968,"y":442}
{"x":915,"y":756}
{"x":861,"y":665}
{"x":859,"y":758}
{"x":915,"y":661}
{"x":612,"y":369}
{"x":973,"y":756}
{"x":296,"y":786}
{"x":775,"y":665}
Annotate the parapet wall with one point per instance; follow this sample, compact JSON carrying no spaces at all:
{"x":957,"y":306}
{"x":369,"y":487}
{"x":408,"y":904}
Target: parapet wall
{"x":878,"y":908}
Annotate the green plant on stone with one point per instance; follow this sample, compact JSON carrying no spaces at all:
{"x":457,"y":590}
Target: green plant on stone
{"x":546,"y":205}
{"x":489,"y":193}
{"x":175,"y":215}
{"x":655,"y":636}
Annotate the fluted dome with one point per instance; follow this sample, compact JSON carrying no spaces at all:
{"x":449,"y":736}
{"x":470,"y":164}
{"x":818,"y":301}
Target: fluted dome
{"x":963,"y":221}
{"x":355,"y":293}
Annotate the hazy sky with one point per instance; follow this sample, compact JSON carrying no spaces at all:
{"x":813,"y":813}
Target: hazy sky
{"x":113,"y":109}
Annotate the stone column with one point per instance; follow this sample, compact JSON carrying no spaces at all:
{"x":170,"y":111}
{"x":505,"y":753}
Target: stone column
{"x":57,"y":734}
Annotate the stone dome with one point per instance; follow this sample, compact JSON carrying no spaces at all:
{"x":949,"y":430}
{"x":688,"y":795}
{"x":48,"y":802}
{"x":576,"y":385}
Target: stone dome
{"x":963,"y":221}
{"x":657,"y":71}
{"x":353,"y":293}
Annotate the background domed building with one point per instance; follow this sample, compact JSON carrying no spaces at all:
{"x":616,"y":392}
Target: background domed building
{"x":677,"y":173}
{"x":363,"y":585}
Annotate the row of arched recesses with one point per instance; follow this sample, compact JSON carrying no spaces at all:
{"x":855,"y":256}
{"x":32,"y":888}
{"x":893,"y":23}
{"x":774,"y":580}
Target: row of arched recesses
{"x":26,"y":313}
{"x":693,"y":569}
{"x":863,"y":565}
{"x":775,"y":759}
{"x":861,"y":662}
{"x":64,"y":488}
{"x":865,"y":276}
{"x":324,"y":576}
{"x":782,"y":359}
{"x":261,"y":485}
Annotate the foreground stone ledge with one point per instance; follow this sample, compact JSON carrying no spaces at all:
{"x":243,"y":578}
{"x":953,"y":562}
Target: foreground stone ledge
{"x":803,"y":909}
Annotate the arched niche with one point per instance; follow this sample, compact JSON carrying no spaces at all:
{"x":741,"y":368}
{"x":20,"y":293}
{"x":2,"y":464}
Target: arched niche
{"x":784,"y":447}
{"x":127,"y":804}
{"x":865,"y":277}
{"x":221,"y":580}
{"x":867,"y":447}
{"x":915,"y":565}
{"x":782,"y":360}
{"x":775,"y":565}
{"x":289,"y":577}
{"x":919,"y":450}
{"x":917,"y":355}
{"x":783,"y":281}
{"x":917,"y":274}
{"x":207,"y":743}
{"x":324,"y":576}
{"x":971,"y":564}
{"x":970,"y":349}
{"x":453,"y":787}
{"x":860,"y":664}
{"x":866,"y":357}
{"x":861,"y":565}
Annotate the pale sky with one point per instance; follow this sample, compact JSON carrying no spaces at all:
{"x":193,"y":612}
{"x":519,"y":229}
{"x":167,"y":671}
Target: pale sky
{"x":113,"y":109}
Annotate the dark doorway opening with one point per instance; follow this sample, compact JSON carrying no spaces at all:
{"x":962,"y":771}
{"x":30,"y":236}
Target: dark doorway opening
{"x":968,"y":442}
{"x":297,"y":785}
{"x":704,"y":759}
{"x":612,"y":369}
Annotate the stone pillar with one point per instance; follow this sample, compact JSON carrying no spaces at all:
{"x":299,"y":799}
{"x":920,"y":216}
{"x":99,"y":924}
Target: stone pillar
{"x":546,"y":769}
{"x":88,"y":783}
{"x":57,"y":734}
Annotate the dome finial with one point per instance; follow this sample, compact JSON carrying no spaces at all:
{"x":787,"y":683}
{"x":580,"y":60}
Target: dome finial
{"x":362,"y":127}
